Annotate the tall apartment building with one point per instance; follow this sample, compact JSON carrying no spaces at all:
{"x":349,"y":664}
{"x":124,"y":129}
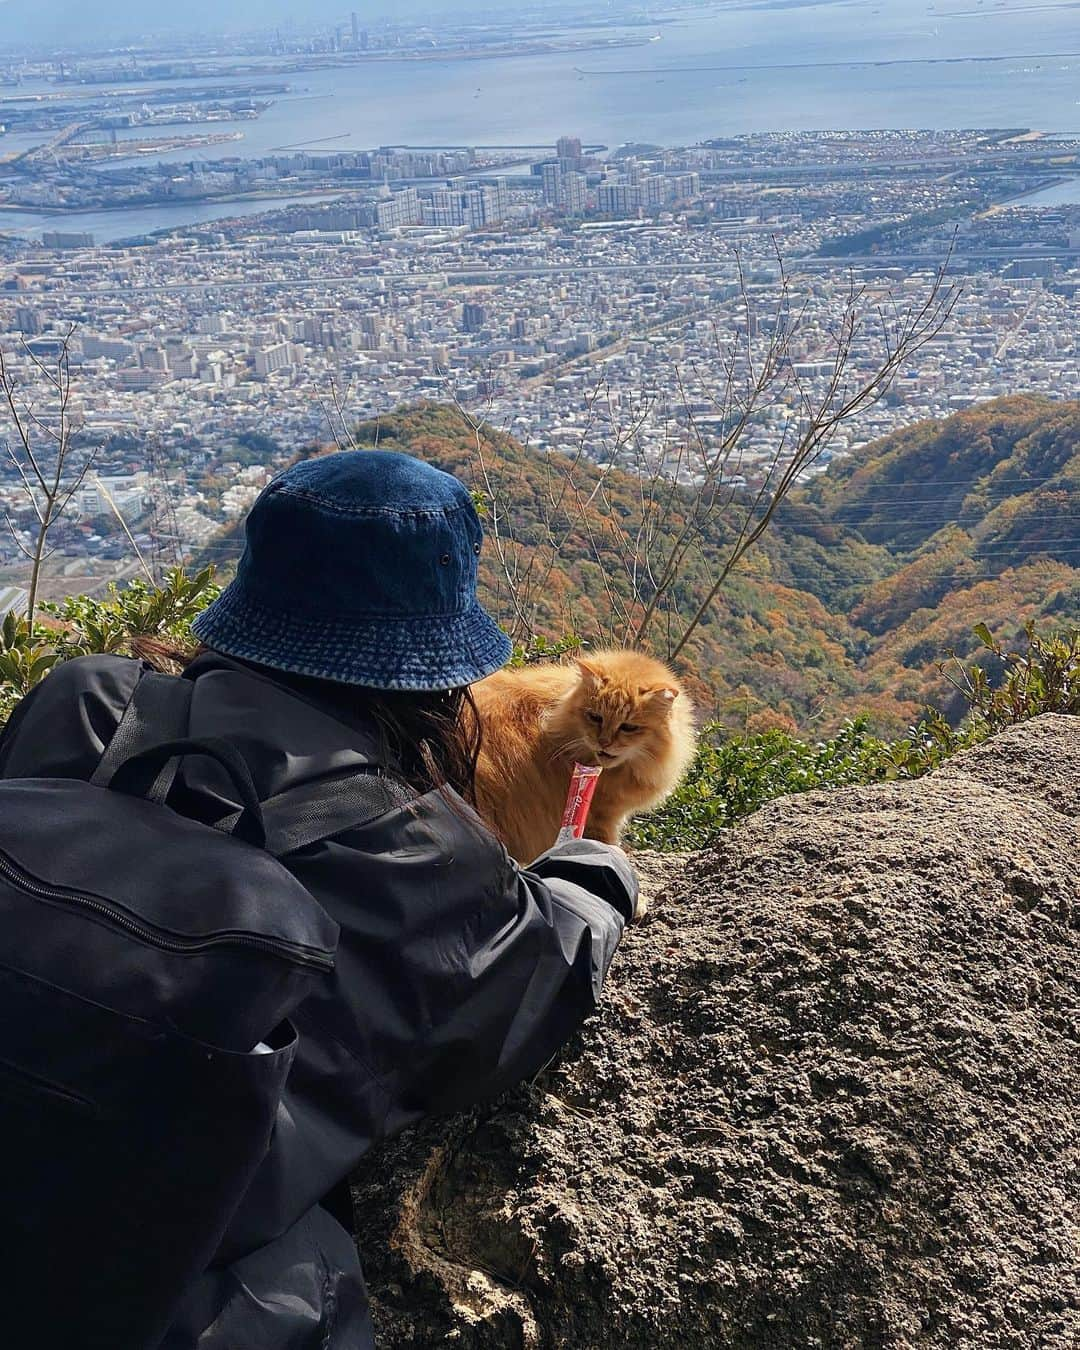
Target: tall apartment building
{"x":473,"y":318}
{"x":153,"y":358}
{"x":487,"y":203}
{"x":502,"y":196}
{"x":619,"y":199}
{"x":398,"y":210}
{"x":184,"y":365}
{"x":685,"y":185}
{"x":275,"y":357}
{"x":474,"y":209}
{"x":565,"y":189}
{"x":655,"y":189}
{"x":443,"y":208}
{"x":180,"y":359}
{"x":474,"y":206}
{"x":569,"y":147}
{"x":575,"y":193}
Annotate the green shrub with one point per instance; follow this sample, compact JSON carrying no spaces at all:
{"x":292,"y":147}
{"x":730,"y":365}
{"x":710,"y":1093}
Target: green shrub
{"x":1042,"y":678}
{"x":87,"y":626}
{"x":734,"y":775}
{"x":84,"y":626}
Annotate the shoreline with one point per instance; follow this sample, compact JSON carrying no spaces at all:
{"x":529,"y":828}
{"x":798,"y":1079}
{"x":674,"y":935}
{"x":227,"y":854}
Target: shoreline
{"x":840,"y":65}
{"x":1062,"y":180}
{"x":169,"y":201}
{"x":59,"y":212}
{"x":133,"y":83}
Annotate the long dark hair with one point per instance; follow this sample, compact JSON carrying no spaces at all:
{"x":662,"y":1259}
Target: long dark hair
{"x":428,"y":740}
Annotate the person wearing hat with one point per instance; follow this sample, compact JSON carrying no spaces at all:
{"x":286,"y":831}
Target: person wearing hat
{"x":348,"y":639}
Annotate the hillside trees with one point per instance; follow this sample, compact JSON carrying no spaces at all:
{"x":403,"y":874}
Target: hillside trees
{"x":1008,"y":470}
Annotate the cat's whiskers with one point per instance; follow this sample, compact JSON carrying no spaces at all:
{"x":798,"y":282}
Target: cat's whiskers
{"x":572,"y":747}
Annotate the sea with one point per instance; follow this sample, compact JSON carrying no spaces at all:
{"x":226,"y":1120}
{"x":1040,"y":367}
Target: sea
{"x":702,"y":72}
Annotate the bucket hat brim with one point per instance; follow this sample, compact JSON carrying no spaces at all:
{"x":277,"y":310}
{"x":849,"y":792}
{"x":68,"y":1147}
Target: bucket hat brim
{"x":420,"y":654}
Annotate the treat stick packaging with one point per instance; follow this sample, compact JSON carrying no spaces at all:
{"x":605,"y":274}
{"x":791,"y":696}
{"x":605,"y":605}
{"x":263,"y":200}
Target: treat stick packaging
{"x":583,"y":783}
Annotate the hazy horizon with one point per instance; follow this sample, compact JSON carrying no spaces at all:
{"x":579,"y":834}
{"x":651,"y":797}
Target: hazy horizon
{"x":63,"y":22}
{"x":57,"y":20}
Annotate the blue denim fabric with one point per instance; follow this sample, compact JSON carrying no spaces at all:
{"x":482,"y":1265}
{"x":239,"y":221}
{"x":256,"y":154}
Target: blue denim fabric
{"x":361,"y":567}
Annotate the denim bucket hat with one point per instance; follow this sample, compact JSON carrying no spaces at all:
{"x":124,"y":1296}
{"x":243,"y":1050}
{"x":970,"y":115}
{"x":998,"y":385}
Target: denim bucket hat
{"x":360,"y":567}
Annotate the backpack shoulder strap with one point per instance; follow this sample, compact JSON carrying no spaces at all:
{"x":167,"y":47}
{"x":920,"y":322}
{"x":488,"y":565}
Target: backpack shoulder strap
{"x":315,"y":811}
{"x":158,"y":711}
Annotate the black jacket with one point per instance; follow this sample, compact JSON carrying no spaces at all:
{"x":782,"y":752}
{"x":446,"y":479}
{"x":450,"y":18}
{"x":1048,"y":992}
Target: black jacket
{"x":457,"y":975}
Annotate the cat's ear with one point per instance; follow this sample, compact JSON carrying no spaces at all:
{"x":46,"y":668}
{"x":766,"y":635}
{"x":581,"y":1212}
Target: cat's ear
{"x":589,"y":674}
{"x":662,"y":695}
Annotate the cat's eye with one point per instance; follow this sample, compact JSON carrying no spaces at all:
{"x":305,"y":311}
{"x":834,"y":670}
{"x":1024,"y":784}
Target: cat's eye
{"x":595,"y":718}
{"x":629,"y":726}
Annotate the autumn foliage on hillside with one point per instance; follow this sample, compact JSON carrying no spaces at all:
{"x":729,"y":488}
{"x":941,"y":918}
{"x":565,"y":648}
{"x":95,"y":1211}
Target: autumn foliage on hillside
{"x":865,"y":581}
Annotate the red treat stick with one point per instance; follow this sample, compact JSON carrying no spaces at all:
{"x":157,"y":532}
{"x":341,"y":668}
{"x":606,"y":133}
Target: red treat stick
{"x":582,"y":786}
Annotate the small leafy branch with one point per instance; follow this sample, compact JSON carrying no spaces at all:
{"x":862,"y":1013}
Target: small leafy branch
{"x":1044,"y":677}
{"x":539,"y":649}
{"x":26,"y":657}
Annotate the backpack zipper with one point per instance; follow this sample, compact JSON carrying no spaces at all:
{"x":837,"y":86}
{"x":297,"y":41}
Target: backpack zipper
{"x":303,"y":956}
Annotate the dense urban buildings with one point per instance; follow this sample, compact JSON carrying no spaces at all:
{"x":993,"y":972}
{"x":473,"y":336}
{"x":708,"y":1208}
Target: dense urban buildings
{"x":582,"y":299}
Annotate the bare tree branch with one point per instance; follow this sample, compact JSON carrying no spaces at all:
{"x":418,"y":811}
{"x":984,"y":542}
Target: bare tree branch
{"x":49,"y":469}
{"x":702,"y":492}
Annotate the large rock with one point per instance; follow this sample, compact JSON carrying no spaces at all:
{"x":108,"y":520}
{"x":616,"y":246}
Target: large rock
{"x":831,"y":1100}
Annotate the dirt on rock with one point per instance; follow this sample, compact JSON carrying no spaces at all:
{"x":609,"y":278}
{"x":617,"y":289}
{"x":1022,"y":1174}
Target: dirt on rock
{"x":831,"y":1100}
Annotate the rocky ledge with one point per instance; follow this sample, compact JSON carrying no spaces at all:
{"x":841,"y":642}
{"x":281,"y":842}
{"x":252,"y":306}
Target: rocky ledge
{"x":831,"y":1100}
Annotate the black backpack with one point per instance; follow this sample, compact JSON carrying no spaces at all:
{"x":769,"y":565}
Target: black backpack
{"x":148,"y":965}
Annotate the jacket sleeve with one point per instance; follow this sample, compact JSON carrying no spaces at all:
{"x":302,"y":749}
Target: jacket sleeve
{"x":458,"y":974}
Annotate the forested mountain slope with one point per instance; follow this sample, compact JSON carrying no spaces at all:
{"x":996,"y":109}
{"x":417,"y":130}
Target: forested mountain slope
{"x":1006,"y":472}
{"x":863,"y":581}
{"x":979,"y":515}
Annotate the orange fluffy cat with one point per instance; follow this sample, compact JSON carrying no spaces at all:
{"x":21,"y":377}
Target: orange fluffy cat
{"x":619,"y":709}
